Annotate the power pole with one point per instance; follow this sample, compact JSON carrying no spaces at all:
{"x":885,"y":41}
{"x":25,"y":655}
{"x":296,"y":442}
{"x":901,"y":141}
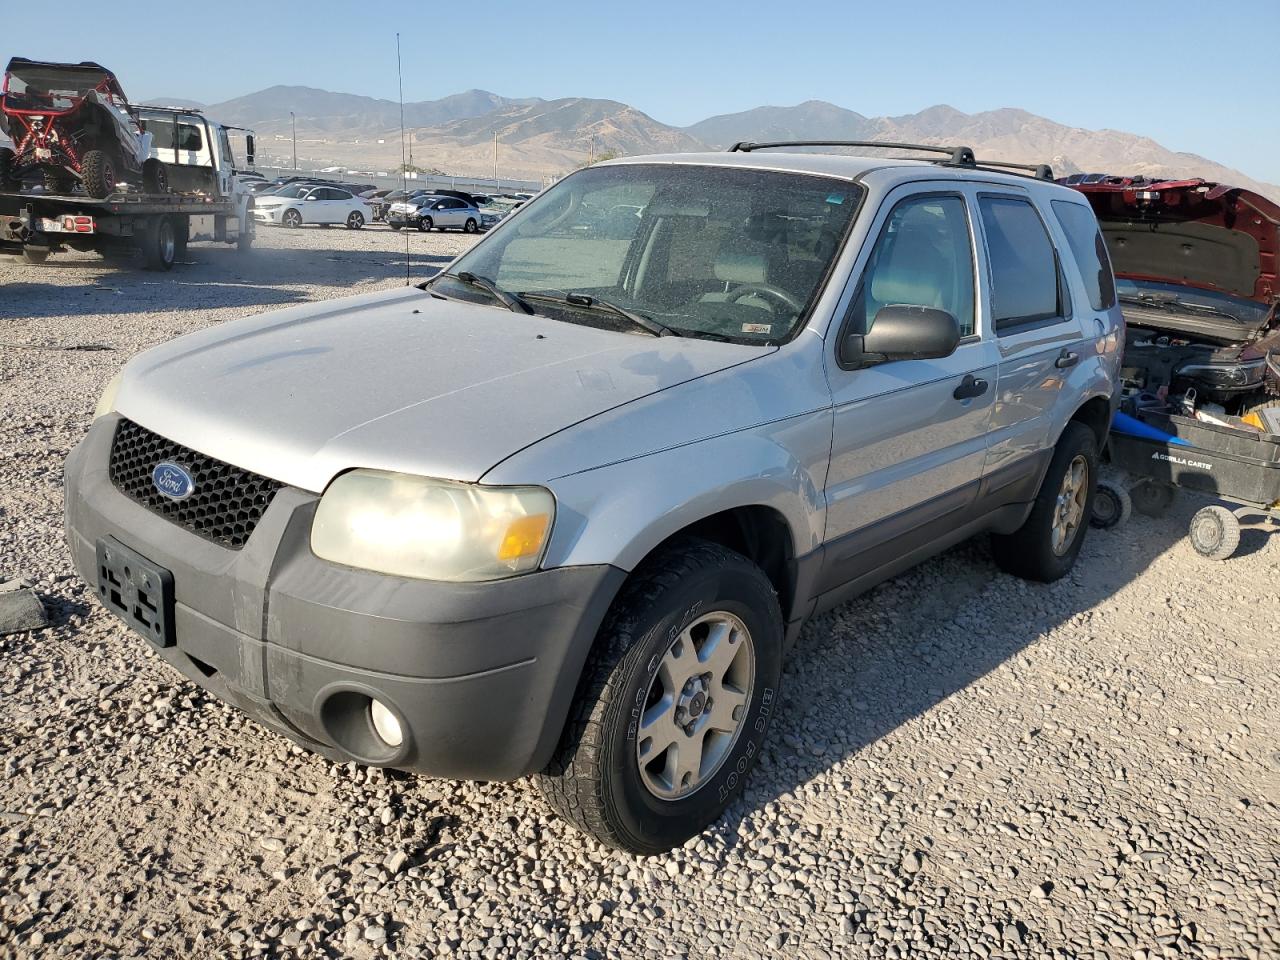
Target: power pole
{"x":592,"y":158}
{"x":293,"y":121}
{"x":497,"y":182}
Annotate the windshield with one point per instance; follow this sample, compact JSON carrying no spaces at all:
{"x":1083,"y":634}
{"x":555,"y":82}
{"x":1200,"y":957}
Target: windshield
{"x":719,"y":252}
{"x":1177,"y":298}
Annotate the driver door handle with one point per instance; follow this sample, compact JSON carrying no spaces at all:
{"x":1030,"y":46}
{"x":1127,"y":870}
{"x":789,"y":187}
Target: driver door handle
{"x":1067,"y":358}
{"x":970,"y":387}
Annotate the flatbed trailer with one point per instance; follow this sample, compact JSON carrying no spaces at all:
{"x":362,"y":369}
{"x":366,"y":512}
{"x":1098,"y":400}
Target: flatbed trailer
{"x":160,"y":225}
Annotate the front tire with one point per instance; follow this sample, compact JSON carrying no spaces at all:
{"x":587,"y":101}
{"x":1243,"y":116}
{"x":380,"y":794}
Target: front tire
{"x":355,"y":221}
{"x":57,"y":182}
{"x":98,"y":174}
{"x":155,"y":178}
{"x":425,"y":224}
{"x":674,"y":702}
{"x":394,"y":226}
{"x":1045,"y":547}
{"x":291,"y":219}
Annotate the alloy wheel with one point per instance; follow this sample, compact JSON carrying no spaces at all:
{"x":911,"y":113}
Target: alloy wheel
{"x":1069,"y":507}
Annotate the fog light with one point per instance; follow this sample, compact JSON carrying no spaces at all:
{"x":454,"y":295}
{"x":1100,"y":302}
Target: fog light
{"x":385,"y":722}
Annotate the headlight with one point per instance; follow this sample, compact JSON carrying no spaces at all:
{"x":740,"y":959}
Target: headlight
{"x":107,"y":402}
{"x":431,"y":529}
{"x":1239,"y":373}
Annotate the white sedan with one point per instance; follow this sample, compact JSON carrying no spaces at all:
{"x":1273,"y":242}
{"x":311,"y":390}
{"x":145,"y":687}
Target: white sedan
{"x":301,"y":203}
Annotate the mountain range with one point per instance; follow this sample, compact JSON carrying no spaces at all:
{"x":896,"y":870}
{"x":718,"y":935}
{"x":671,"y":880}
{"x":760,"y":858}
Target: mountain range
{"x":537,"y":138}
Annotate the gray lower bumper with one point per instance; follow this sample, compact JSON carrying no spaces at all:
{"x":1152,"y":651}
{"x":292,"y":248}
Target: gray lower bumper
{"x":479,"y":675}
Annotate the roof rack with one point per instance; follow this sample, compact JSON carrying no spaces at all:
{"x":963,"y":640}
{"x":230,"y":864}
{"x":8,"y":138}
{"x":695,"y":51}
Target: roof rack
{"x":957,"y":156}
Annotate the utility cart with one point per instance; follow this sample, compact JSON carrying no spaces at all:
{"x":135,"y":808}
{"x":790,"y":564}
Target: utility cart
{"x":1239,"y":466}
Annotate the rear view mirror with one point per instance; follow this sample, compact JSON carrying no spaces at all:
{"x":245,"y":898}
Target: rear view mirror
{"x":248,"y":148}
{"x":902,"y":332}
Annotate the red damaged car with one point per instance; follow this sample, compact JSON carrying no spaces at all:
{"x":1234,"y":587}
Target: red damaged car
{"x":69,"y":123}
{"x":1196,"y":267}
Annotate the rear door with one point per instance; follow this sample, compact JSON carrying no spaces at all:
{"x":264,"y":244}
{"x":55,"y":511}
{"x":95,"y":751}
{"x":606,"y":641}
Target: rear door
{"x":1037,"y":332}
{"x":909,"y":439}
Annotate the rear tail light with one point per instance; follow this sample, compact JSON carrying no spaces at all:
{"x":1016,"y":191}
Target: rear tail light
{"x":77,"y":224}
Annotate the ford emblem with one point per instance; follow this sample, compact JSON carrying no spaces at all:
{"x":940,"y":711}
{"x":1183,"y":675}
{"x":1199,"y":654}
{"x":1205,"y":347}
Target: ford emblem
{"x":173,"y":481}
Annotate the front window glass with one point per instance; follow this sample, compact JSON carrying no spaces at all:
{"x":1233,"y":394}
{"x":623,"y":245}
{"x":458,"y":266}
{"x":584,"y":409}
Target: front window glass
{"x":37,"y":87}
{"x":923,"y":258}
{"x":1085,"y":239}
{"x":707,"y":251}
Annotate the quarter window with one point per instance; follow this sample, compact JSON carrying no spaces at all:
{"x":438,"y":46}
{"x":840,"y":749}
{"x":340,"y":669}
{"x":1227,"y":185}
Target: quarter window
{"x":1025,"y":286}
{"x":922,"y":258}
{"x":1085,"y":239}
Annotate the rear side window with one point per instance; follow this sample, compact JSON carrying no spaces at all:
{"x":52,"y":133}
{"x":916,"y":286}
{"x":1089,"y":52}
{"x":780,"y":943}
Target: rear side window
{"x":1024,"y":266}
{"x":1081,"y":228}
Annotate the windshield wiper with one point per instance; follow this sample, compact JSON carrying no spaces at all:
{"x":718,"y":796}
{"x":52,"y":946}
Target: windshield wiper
{"x":1169,"y":301}
{"x":592,"y":303}
{"x":512,"y":301}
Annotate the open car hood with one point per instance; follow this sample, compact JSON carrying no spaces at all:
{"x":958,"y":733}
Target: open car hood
{"x":1195,"y":233}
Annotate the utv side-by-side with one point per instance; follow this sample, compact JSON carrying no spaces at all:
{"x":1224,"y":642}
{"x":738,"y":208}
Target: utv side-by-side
{"x":71,"y":123}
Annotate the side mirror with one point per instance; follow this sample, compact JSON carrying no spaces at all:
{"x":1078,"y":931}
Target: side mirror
{"x":313,"y":197}
{"x":902,"y":332}
{"x":248,"y":149}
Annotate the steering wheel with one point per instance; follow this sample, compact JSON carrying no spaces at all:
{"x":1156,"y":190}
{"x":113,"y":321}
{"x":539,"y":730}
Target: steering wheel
{"x":766,"y":290}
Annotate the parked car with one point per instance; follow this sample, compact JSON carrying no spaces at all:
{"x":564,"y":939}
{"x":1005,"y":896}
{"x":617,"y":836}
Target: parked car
{"x":434,"y":212}
{"x":300,"y":203}
{"x":72,"y":124}
{"x":1195,"y":266}
{"x":563,"y":509}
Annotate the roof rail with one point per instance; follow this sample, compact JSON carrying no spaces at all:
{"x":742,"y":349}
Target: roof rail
{"x":956,"y":156}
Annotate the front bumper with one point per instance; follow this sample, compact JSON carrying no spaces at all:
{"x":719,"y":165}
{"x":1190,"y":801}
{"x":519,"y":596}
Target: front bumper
{"x":270,"y":215}
{"x":480,"y":675}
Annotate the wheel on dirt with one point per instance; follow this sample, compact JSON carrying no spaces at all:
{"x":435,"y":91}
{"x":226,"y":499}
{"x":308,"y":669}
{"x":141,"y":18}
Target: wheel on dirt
{"x":7,"y":179}
{"x":291,"y":219}
{"x":98,"y":174}
{"x":394,"y":226}
{"x":57,"y":182}
{"x":159,"y":240}
{"x":248,"y":230}
{"x":471,"y":226}
{"x":1214,"y":532}
{"x":155,"y":178}
{"x":1112,"y":506}
{"x":425,"y":224}
{"x":1152,"y":498}
{"x":674,"y":702}
{"x":355,"y":221}
{"x":181,"y":236}
{"x":35,"y":255}
{"x":1045,"y":547}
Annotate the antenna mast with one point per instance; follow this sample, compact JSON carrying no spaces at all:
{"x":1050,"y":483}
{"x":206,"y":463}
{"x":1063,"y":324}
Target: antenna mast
{"x":404,"y":167}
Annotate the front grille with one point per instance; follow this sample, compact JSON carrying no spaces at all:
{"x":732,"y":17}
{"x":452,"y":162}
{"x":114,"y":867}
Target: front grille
{"x":226,"y":503}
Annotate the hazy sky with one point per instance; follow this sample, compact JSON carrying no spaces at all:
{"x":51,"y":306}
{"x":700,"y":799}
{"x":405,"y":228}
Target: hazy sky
{"x":1199,"y":76}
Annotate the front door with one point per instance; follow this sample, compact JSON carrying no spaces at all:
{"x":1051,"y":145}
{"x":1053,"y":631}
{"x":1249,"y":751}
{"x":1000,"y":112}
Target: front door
{"x":910,"y":436}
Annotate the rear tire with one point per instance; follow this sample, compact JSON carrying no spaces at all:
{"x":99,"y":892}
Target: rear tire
{"x":471,"y":226}
{"x":57,"y":182}
{"x":1152,"y":498}
{"x":7,"y":180}
{"x":155,"y":178}
{"x":692,"y":592}
{"x":160,"y":244}
{"x":394,"y":226}
{"x":98,"y":174}
{"x":1045,"y":547}
{"x":1112,"y":506}
{"x":1214,"y":532}
{"x":35,"y":255}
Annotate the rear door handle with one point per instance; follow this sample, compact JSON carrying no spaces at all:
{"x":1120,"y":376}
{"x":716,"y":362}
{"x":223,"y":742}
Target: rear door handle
{"x":970,"y":387}
{"x":1067,"y":358}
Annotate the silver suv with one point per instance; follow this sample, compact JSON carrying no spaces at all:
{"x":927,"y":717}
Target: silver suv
{"x":563,"y":509}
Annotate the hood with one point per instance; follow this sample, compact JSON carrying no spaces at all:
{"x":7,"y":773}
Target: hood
{"x":1189,"y":232}
{"x":397,"y":381}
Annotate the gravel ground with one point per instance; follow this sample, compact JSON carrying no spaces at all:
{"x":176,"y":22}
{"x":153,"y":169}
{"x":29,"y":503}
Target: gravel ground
{"x":965,"y":764}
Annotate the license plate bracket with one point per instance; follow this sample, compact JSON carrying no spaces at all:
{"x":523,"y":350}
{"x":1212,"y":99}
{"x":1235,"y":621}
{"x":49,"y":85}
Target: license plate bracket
{"x":136,"y":590}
